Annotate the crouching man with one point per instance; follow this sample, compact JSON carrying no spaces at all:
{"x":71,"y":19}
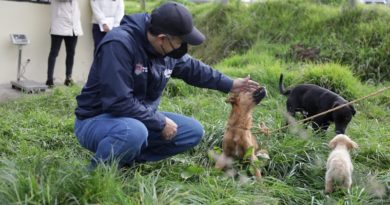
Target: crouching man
{"x":117,"y":116}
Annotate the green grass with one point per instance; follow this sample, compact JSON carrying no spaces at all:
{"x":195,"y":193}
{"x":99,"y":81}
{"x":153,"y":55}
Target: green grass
{"x":41,"y":161}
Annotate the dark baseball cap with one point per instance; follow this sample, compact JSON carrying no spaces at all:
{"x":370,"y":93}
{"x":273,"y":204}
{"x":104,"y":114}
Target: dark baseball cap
{"x":174,"y":19}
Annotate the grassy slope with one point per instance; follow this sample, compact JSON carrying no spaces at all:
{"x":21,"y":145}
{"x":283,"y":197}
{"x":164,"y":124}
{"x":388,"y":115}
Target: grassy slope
{"x":357,"y":37}
{"x":41,"y":161}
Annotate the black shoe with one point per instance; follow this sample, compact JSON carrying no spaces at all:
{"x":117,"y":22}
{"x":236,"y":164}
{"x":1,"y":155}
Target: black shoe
{"x":68,"y":82}
{"x":50,"y":83}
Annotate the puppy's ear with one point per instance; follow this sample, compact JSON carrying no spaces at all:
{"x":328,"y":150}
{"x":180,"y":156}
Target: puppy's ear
{"x":352,"y":145}
{"x":353,"y":110}
{"x":332,"y":144}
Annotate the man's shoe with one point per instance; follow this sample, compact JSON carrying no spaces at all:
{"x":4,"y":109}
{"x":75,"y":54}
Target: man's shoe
{"x":68,"y":82}
{"x":50,"y":83}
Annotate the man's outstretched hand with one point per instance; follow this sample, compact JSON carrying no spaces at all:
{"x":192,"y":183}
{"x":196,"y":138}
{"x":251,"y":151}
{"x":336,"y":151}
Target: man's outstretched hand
{"x":170,"y":129}
{"x":244,"y":84}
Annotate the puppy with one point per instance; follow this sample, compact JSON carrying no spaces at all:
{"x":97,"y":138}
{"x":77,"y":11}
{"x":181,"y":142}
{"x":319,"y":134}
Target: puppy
{"x":312,"y":99}
{"x":238,"y":137}
{"x":339,"y":166}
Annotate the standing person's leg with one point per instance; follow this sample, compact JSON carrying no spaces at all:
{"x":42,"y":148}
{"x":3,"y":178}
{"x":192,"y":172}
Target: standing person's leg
{"x":54,"y":49}
{"x":70,"y":44}
{"x":111,"y":138}
{"x":189,"y":134}
{"x":97,"y":35}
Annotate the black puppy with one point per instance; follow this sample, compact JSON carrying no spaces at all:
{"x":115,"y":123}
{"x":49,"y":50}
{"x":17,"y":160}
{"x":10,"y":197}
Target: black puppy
{"x":312,"y":99}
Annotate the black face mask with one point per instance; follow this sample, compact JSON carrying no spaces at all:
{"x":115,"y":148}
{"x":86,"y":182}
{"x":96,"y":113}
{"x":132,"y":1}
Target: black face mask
{"x":179,"y":52}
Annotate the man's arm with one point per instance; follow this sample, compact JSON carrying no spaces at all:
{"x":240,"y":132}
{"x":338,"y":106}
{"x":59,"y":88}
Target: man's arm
{"x":195,"y":72}
{"x":115,"y":67}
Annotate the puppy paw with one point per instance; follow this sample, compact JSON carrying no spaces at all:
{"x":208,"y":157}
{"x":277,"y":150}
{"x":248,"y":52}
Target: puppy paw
{"x":264,"y":129}
{"x":223,"y":161}
{"x":262,"y":154}
{"x":328,"y":189}
{"x":258,"y":174}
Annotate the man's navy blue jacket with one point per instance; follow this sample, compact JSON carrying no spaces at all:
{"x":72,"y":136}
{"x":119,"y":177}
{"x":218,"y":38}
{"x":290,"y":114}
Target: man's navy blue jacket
{"x":128,"y":76}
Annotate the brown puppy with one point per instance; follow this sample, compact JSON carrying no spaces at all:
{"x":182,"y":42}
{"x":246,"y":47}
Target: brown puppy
{"x":238,"y":137}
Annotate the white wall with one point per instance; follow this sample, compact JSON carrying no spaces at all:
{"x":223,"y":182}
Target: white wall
{"x":34,"y":20}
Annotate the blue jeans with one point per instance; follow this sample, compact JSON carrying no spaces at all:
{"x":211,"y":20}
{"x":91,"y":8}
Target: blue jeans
{"x":127,"y":140}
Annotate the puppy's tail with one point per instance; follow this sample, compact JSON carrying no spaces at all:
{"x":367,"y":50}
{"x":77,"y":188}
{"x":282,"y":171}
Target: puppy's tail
{"x":282,"y":90}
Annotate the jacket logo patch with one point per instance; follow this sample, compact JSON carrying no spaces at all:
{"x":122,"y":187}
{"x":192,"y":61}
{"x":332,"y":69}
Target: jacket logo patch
{"x":140,"y":69}
{"x":167,"y":73}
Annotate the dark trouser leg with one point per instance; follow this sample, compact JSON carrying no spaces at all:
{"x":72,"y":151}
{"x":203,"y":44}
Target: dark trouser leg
{"x":70,"y":44}
{"x":54,"y":49}
{"x":97,"y":35}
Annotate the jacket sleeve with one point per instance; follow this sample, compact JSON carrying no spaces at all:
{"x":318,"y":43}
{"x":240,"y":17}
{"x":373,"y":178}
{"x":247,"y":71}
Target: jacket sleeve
{"x":97,"y":12}
{"x":115,"y":68}
{"x":195,"y":72}
{"x":119,"y":13}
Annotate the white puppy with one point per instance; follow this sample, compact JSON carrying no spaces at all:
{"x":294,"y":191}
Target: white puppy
{"x":339,"y":165}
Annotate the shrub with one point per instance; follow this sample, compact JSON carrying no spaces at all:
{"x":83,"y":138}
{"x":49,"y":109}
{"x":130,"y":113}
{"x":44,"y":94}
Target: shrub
{"x":334,"y":77}
{"x":357,"y":37}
